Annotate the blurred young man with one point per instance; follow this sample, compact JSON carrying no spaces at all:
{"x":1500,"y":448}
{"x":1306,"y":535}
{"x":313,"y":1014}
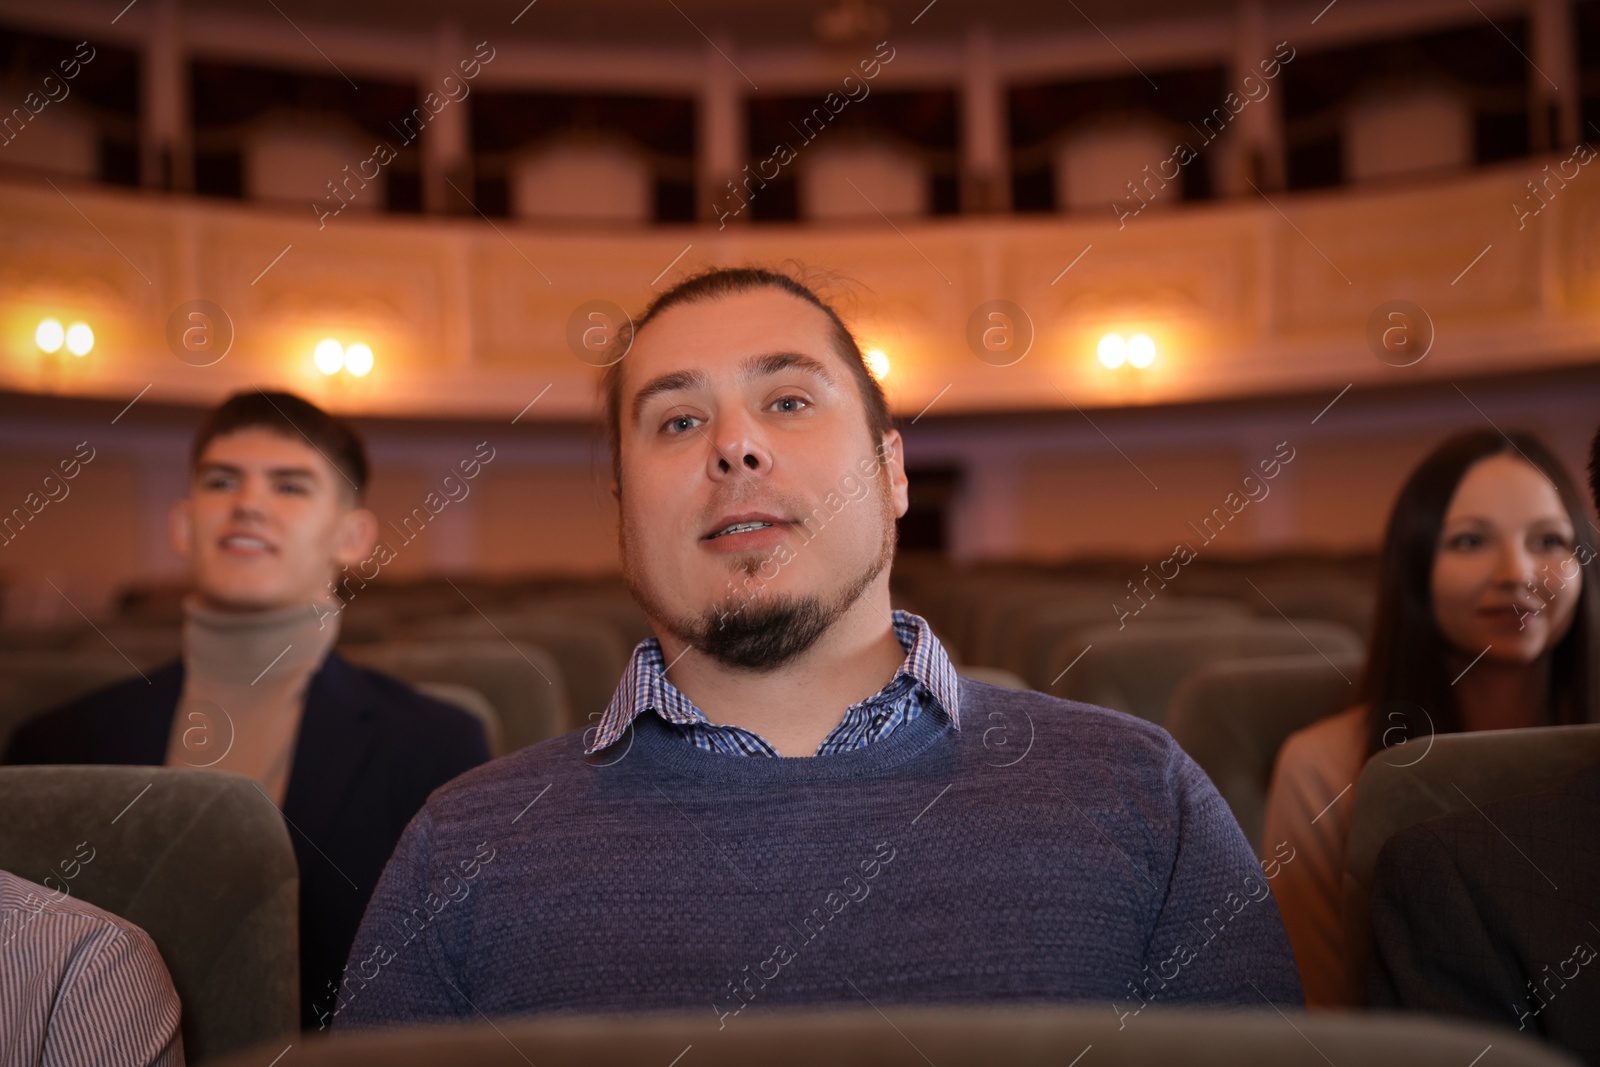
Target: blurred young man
{"x":792,"y":798}
{"x":274,"y":509}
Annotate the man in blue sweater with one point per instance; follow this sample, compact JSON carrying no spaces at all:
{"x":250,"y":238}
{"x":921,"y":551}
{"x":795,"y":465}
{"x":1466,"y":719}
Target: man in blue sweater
{"x":793,"y":800}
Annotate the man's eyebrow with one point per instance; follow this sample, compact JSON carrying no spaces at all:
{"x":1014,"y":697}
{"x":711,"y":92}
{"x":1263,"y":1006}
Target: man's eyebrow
{"x":753,"y":367}
{"x":775,"y":362}
{"x":213,"y":467}
{"x":671,"y":382}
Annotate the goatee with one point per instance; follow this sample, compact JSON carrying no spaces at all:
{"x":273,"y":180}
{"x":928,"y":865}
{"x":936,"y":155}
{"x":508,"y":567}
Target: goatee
{"x":762,"y":636}
{"x":762,"y":631}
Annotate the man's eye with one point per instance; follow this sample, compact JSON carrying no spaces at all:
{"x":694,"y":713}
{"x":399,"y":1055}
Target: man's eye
{"x":293,"y":488}
{"x":789,"y":403}
{"x":680,"y":424}
{"x":217,"y":482}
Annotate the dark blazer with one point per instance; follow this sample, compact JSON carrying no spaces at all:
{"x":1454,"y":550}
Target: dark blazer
{"x":369,"y":752}
{"x":1495,"y":916}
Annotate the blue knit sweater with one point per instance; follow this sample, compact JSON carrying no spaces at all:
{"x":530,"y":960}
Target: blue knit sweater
{"x":1047,"y":851}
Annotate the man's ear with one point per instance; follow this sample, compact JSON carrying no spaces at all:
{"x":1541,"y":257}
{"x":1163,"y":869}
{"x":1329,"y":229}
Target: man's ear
{"x":180,"y":527}
{"x":895,"y":467}
{"x":356,"y":536}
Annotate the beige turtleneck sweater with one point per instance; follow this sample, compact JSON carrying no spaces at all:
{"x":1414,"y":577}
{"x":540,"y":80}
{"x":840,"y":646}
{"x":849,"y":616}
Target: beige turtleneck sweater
{"x":244,"y":688}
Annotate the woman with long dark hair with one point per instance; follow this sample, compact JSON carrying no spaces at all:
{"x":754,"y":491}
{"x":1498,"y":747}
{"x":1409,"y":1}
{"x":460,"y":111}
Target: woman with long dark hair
{"x":1485,"y":621}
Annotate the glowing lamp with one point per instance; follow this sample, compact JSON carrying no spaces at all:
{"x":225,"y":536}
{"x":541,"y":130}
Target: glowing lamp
{"x":358,"y":360}
{"x":1113,"y":351}
{"x":877,"y":363}
{"x":80,"y":339}
{"x":49,"y":336}
{"x":329,"y":356}
{"x":1141,"y":350}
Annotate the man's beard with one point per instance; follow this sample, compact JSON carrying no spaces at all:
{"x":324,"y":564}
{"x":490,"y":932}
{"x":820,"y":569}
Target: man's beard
{"x":762,"y":632}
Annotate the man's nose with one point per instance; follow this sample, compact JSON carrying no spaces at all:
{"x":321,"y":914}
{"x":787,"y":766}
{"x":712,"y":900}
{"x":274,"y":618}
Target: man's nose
{"x":737,"y":446}
{"x":250,"y":498}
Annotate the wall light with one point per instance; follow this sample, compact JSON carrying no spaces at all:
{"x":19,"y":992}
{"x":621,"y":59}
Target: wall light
{"x":1113,"y":351}
{"x":80,"y":339}
{"x":1138,"y":351}
{"x":877,"y":363}
{"x":358,"y":359}
{"x":49,"y":336}
{"x":1141,"y":350}
{"x":329,"y":356}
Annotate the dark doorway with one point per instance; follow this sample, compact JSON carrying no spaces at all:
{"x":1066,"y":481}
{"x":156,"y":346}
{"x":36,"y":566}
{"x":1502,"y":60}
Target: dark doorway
{"x":924,"y":526}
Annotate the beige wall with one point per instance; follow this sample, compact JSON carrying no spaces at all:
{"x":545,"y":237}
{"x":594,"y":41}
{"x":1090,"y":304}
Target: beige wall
{"x":85,"y":542}
{"x":549,"y":520}
{"x":1355,"y":488}
{"x":1332,"y":497}
{"x":1101,"y":505}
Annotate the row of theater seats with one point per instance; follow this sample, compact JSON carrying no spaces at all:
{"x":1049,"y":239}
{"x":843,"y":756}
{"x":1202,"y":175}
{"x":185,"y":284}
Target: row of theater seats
{"x":535,"y":659}
{"x":1037,"y":622}
{"x":1222,"y":665}
{"x":203,"y":863}
{"x":530,"y":660}
{"x":1230,"y":658}
{"x":531,"y":663}
{"x":1230,"y":678}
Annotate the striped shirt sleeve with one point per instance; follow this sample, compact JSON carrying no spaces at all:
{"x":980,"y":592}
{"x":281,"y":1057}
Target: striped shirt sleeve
{"x":80,"y":987}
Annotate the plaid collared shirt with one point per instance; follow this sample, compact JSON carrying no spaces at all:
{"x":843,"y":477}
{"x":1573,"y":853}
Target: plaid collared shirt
{"x":925,"y":681}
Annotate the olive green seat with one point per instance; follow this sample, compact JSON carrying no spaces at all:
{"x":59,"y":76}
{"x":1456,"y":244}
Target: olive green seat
{"x":200,"y":860}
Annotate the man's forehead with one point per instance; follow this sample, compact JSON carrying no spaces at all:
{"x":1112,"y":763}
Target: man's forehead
{"x":726,"y":330}
{"x":261,"y":446}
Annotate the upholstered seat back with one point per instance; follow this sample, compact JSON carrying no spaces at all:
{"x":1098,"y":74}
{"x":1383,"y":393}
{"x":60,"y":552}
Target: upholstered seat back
{"x":1232,"y":716}
{"x":35,"y":681}
{"x":591,"y":653}
{"x":1433,"y":776}
{"x":950,"y":1036}
{"x":200,"y":860}
{"x":523,"y":682}
{"x":1137,"y":668}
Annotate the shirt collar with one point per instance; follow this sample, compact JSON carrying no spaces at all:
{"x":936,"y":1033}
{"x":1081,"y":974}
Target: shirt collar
{"x":644,"y":685}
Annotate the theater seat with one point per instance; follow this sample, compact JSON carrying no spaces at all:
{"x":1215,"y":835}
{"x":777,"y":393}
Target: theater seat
{"x":1103,"y":163}
{"x":852,"y":180}
{"x":956,"y":605}
{"x":149,"y":645}
{"x":582,"y":177}
{"x":1399,"y":787}
{"x":615,"y":607}
{"x":996,"y":617}
{"x":592,"y":654}
{"x":522,"y":681}
{"x":1335,"y":598}
{"x":41,"y":638}
{"x":473,"y":703}
{"x":949,"y":1036}
{"x":200,"y":860}
{"x":1232,"y":716}
{"x":1137,"y":668}
{"x":36,"y":681}
{"x":1050,"y":625}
